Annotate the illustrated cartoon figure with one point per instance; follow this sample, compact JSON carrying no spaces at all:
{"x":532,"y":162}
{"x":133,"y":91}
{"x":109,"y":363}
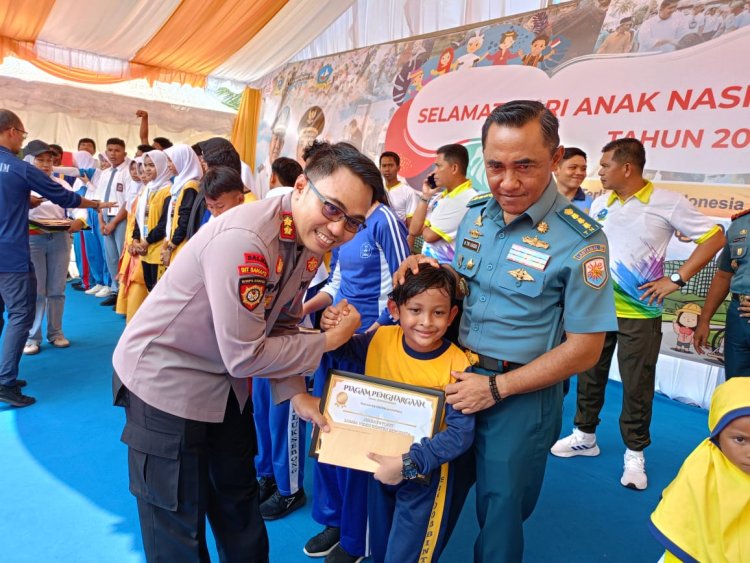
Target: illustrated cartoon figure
{"x":684,"y":326}
{"x":416,"y":78}
{"x":537,"y":55}
{"x":470,"y":59}
{"x":503,"y":53}
{"x":444,"y":63}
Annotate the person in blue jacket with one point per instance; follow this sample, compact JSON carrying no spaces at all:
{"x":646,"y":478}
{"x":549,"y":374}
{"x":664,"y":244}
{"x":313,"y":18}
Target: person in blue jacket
{"x":17,"y":280}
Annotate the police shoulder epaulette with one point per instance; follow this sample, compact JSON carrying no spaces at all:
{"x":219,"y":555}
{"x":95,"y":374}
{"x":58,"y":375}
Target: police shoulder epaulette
{"x":478,"y":199}
{"x":579,"y":221}
{"x":740,"y":214}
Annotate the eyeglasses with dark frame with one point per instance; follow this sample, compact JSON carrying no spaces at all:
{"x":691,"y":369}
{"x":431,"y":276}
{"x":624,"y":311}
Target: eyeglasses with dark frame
{"x":334,"y":213}
{"x":23,"y":133}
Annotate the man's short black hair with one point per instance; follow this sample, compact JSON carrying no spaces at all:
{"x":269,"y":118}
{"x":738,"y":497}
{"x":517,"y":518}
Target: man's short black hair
{"x":518,"y":113}
{"x":396,"y":158}
{"x":145,"y":148}
{"x":570,"y":152}
{"x":627,"y":150}
{"x":217,"y":151}
{"x":429,"y":277}
{"x":86,"y":140}
{"x":287,"y":170}
{"x":456,"y":154}
{"x":116,"y":141}
{"x":220,"y":180}
{"x":326,"y":158}
{"x":57,"y":148}
{"x":164,"y":143}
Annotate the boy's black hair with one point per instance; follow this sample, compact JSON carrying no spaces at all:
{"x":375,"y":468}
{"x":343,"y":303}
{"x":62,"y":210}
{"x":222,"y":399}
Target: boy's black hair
{"x":164,"y":143}
{"x":116,"y":141}
{"x":220,"y":180}
{"x":390,"y":154}
{"x":57,"y":148}
{"x":570,"y":152}
{"x":287,"y":170}
{"x":217,"y":151}
{"x":145,"y":148}
{"x":429,"y":277}
{"x":86,"y":140}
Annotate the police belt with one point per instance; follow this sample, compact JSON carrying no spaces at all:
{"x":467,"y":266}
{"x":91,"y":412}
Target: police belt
{"x":739,"y":296}
{"x":490,"y":364}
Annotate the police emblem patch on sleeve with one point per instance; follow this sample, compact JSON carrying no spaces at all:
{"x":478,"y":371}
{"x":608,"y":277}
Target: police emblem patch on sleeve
{"x":251,"y":291}
{"x":595,"y":272}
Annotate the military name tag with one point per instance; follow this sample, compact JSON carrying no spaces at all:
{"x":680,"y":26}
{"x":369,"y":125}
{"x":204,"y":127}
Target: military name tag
{"x":471,"y":244}
{"x":528,"y":257}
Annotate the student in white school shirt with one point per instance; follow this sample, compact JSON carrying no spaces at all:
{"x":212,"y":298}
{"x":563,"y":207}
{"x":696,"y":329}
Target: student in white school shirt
{"x":401,"y":195}
{"x":112,"y":222}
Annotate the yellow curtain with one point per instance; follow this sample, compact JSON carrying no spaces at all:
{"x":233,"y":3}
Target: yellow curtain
{"x":245,"y":130}
{"x":201,"y":34}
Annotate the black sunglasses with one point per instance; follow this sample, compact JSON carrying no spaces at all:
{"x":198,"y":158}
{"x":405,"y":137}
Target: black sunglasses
{"x":334,"y":213}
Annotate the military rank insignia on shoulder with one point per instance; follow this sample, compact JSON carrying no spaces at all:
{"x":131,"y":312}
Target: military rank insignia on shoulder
{"x":479,"y":199}
{"x":735,"y":216}
{"x":579,"y":221}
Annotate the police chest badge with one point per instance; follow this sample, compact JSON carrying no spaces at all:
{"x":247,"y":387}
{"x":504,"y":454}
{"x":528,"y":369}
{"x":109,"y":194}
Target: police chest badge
{"x":251,"y":292}
{"x":595,"y":272}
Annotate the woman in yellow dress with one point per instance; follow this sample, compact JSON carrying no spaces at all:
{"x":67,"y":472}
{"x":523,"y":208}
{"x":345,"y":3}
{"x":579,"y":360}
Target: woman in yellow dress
{"x":150,"y":221}
{"x":184,"y":190}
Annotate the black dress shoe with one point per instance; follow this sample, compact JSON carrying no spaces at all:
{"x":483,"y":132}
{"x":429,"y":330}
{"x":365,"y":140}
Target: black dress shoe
{"x":21,"y":382}
{"x":109,"y":301}
{"x":13,"y":396}
{"x":78,"y":286}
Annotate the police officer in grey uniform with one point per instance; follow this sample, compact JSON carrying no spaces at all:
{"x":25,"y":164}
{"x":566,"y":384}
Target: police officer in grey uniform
{"x":534,"y":267}
{"x":226,"y":311}
{"x":732,"y":275}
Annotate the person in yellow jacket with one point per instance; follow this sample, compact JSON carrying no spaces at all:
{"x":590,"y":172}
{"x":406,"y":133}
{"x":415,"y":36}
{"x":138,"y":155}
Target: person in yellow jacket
{"x":150,"y":222}
{"x":184,"y":190}
{"x":132,"y":285}
{"x":704,"y":514}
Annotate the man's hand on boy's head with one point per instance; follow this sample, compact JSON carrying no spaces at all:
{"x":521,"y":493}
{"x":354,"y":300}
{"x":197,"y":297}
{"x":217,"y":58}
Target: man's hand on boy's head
{"x":412,"y":263}
{"x":470,"y":393}
{"x":389,"y":468}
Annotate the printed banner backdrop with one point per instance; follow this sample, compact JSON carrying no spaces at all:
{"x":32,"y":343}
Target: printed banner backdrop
{"x":678,"y":80}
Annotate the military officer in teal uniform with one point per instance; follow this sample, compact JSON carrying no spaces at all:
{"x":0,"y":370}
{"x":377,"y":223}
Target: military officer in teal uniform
{"x":733,"y":275}
{"x":533,"y":268}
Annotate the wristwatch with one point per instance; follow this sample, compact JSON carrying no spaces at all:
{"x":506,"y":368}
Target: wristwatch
{"x":677,"y":278}
{"x":409,"y":471}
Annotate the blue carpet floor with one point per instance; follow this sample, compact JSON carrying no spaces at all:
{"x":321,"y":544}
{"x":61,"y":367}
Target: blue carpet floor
{"x":65,"y":489}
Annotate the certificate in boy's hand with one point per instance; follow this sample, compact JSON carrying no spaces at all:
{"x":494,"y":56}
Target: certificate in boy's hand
{"x":368,"y":414}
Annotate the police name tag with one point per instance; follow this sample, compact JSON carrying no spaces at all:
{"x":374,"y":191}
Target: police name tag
{"x":528,"y":257}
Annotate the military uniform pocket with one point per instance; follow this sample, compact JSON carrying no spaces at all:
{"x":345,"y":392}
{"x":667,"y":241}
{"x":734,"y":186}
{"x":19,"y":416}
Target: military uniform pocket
{"x":516,"y":278}
{"x":154,"y":465}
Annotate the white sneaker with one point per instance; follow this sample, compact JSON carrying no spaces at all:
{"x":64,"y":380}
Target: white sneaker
{"x":578,"y":443}
{"x":634,"y":474}
{"x":94,"y":290}
{"x":103,"y":292}
{"x":31,"y":348}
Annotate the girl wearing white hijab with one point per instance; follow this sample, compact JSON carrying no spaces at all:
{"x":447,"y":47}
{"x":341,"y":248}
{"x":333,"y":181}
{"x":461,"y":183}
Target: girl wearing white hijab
{"x":150,"y":220}
{"x":132,"y":283}
{"x":185,"y":186}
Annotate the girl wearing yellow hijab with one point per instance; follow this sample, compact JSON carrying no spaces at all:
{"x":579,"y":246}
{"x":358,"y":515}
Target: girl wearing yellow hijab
{"x":704,"y":514}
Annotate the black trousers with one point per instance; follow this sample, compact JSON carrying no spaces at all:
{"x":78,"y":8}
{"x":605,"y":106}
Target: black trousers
{"x":182,"y":471}
{"x":150,"y":274}
{"x":638,"y":342}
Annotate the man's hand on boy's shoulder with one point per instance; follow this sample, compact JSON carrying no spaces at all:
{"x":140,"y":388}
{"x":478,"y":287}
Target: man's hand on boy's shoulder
{"x":389,"y":468}
{"x":470,"y":393}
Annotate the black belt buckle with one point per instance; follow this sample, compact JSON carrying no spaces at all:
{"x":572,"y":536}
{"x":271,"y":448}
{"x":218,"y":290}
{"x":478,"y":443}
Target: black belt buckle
{"x":490,"y":364}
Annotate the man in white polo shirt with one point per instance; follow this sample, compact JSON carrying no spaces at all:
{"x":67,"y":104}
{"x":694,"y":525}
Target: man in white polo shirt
{"x":639,"y":222}
{"x":401,"y":196}
{"x":442,"y":204}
